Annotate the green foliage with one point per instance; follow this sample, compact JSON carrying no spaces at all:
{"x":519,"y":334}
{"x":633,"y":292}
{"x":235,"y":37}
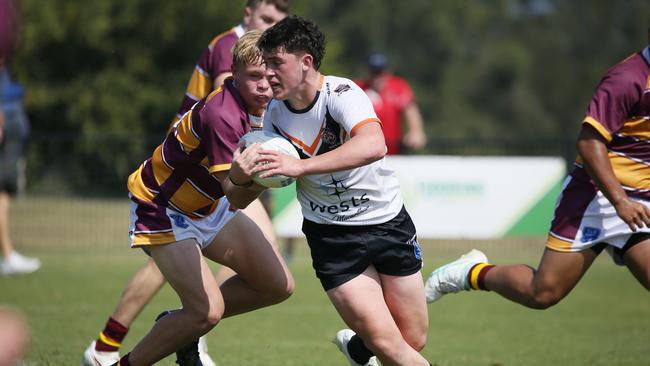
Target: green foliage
{"x":102,"y":72}
{"x":106,"y":78}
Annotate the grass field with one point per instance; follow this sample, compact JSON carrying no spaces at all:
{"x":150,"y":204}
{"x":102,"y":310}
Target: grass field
{"x":86,"y":262}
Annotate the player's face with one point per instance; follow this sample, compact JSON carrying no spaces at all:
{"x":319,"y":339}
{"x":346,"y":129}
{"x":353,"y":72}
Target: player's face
{"x":262,"y":17}
{"x":285,"y":72}
{"x":253,"y":87}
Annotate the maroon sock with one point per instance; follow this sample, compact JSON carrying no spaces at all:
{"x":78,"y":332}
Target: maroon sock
{"x":481,"y":277}
{"x":110,"y":339}
{"x":476,"y":276}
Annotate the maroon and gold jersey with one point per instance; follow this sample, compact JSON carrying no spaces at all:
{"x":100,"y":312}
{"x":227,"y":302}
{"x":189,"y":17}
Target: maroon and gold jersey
{"x":216,"y":59}
{"x":620,"y":111}
{"x":179,"y":174}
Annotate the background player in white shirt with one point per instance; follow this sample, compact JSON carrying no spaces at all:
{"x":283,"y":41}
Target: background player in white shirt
{"x":363,"y":243}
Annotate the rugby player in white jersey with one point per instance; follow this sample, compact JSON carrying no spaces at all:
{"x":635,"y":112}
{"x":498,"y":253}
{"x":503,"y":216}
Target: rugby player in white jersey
{"x":363,"y":243}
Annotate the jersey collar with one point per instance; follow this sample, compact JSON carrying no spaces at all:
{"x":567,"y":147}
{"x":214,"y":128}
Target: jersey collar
{"x":239,"y":30}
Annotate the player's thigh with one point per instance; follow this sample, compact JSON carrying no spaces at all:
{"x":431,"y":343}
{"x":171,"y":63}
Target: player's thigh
{"x":242,"y":246}
{"x":559,"y":272}
{"x":360,"y":302}
{"x":189,"y":275}
{"x":404,"y":296}
{"x":256,"y":212}
{"x":637,"y":260}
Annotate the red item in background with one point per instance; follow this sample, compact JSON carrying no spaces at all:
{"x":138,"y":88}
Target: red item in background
{"x":389,"y":103}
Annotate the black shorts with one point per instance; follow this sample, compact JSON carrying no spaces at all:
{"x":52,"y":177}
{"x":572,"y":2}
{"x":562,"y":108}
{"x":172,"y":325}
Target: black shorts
{"x":340,"y":253}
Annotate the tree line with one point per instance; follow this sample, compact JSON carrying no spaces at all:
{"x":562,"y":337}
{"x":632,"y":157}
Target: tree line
{"x":105,"y":77}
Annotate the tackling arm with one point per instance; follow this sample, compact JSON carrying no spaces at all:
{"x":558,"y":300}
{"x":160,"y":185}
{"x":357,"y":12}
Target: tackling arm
{"x":593,"y":150}
{"x":237,"y":183}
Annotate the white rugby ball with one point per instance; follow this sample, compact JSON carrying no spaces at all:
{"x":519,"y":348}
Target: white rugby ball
{"x":271,"y":141}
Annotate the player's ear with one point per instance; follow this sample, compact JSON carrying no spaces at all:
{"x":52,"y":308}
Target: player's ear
{"x":247,"y":15}
{"x":307,"y":61}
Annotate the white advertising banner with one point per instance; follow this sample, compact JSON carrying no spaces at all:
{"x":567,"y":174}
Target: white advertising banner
{"x":463,"y":197}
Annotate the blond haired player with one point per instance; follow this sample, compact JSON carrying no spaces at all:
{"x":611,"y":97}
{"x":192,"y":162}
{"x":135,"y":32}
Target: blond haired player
{"x":181,"y":212}
{"x":210,"y":71}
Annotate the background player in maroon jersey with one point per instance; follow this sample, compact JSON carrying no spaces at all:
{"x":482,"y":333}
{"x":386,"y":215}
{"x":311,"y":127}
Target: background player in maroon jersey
{"x":212,"y":68}
{"x":605,"y":203}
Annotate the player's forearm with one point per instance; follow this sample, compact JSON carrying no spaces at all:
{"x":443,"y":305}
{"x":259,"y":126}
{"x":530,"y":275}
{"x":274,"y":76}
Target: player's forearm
{"x":360,"y":150}
{"x":242,"y":197}
{"x":591,"y":147}
{"x":239,"y":194}
{"x":413,"y":118}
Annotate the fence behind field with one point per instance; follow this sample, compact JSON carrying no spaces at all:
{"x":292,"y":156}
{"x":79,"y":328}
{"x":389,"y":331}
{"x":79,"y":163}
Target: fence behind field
{"x":76,"y":187}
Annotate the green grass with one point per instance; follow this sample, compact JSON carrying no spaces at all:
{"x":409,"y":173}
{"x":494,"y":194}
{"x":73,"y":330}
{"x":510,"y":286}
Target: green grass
{"x":86,"y":263}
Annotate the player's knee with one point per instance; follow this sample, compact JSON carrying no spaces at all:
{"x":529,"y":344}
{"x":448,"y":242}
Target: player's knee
{"x":282,"y":288}
{"x":205,"y":315}
{"x":208,"y":320}
{"x":416,"y":341}
{"x":545,"y":299}
{"x":212,"y":318}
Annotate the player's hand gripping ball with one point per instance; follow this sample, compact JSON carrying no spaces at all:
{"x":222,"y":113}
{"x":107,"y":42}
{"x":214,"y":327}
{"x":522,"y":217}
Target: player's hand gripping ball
{"x":271,"y":141}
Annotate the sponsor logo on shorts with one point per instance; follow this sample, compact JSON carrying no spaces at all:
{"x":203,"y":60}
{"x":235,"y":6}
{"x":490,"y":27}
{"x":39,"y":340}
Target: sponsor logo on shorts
{"x":589,"y":234}
{"x":416,"y":247}
{"x":179,"y":220}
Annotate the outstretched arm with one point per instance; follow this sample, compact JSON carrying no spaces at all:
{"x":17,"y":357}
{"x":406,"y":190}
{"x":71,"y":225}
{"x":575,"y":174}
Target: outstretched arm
{"x":593,"y":150}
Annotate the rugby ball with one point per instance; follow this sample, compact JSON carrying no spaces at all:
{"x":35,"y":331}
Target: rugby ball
{"x":271,"y":141}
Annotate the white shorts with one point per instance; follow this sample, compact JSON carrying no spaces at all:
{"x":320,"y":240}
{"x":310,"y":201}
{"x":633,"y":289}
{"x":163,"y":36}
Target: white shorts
{"x":581,"y":222}
{"x":155,"y":225}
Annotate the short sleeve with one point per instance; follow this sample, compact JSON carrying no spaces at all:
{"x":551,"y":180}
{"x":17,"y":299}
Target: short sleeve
{"x":350,"y":106}
{"x":612,"y":103}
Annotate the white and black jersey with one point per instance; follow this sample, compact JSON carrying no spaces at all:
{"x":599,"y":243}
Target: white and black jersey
{"x":366,"y":195}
